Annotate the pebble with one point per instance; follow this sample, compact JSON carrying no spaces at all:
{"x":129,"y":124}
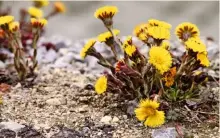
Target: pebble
{"x":11,"y":126}
{"x":169,"y":132}
{"x":2,"y":65}
{"x":115,"y":119}
{"x":56,"y":101}
{"x":106,"y":119}
{"x":83,"y":109}
{"x":17,"y":86}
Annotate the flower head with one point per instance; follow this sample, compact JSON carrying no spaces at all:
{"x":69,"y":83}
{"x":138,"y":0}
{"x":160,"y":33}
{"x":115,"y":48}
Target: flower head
{"x":195,"y":44}
{"x":119,"y":64}
{"x":101,"y":85}
{"x":13,"y":26}
{"x":140,"y":29}
{"x":160,"y":58}
{"x":187,"y":30}
{"x":147,"y":112}
{"x":87,"y":47}
{"x":202,"y":57}
{"x":38,"y":22}
{"x":41,"y":3}
{"x":158,"y":32}
{"x":59,"y":7}
{"x":169,"y":77}
{"x":106,"y":14}
{"x":6,"y":19}
{"x":104,"y":37}
{"x":35,"y":12}
{"x":165,"y":45}
{"x":154,"y":22}
{"x":128,"y":47}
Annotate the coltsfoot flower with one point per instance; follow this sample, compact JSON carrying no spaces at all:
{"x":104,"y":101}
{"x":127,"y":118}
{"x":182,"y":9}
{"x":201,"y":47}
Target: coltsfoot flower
{"x":165,"y":45}
{"x":139,"y":29}
{"x":128,"y":47}
{"x":59,"y":7}
{"x":147,"y":112}
{"x":101,"y":85}
{"x":106,"y":14}
{"x":6,"y":20}
{"x":107,"y":36}
{"x":195,"y":44}
{"x":38,"y":22}
{"x":160,"y":58}
{"x":154,"y":22}
{"x":158,"y":32}
{"x":13,"y":27}
{"x":35,"y":12}
{"x":187,"y":30}
{"x":87,"y":47}
{"x":169,"y":77}
{"x":41,"y":3}
{"x":202,"y":57}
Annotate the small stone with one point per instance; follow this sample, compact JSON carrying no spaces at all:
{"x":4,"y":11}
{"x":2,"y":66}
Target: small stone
{"x":56,"y":101}
{"x":125,"y":117}
{"x":2,"y":65}
{"x":106,"y":119}
{"x":115,"y":119}
{"x":83,"y":109}
{"x":11,"y":126}
{"x":18,"y":86}
{"x":164,"y":133}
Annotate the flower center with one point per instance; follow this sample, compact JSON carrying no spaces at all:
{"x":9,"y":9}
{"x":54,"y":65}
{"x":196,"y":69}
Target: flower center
{"x":150,"y":111}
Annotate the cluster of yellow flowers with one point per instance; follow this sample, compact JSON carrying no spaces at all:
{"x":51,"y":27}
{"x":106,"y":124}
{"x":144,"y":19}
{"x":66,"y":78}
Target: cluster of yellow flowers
{"x":135,"y":66}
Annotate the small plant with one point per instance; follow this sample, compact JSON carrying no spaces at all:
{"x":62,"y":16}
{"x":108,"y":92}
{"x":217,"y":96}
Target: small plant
{"x":154,"y":77}
{"x":14,"y":35}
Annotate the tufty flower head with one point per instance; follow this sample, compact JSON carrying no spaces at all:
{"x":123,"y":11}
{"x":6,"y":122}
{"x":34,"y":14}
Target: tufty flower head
{"x":35,"y":12}
{"x":187,"y":30}
{"x":202,"y":57}
{"x":5,"y":20}
{"x":169,"y":77}
{"x":101,"y":85}
{"x":13,"y":27}
{"x":41,"y":3}
{"x":139,"y":29}
{"x":38,"y":23}
{"x":106,"y":14}
{"x":119,"y":64}
{"x":59,"y":7}
{"x":107,"y":36}
{"x":154,"y":22}
{"x":128,"y":47}
{"x":160,"y":58}
{"x":87,"y":47}
{"x":158,"y":32}
{"x":196,"y":45}
{"x":165,"y":45}
{"x":147,"y":112}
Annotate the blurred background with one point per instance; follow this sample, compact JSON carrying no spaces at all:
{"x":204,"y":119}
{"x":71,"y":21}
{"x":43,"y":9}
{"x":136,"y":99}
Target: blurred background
{"x":79,"y":23}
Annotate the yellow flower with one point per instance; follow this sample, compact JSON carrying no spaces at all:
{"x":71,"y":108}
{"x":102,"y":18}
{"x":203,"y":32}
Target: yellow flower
{"x":165,"y":45}
{"x":106,"y":12}
{"x":154,"y":22}
{"x":202,"y":57}
{"x":147,"y":112}
{"x":195,"y":44}
{"x":41,"y":3}
{"x":35,"y":12}
{"x":160,"y":58}
{"x":140,"y":29}
{"x":128,"y":47}
{"x":86,"y":48}
{"x":107,"y":35}
{"x":101,"y":85}
{"x":13,"y":26}
{"x":158,"y":32}
{"x":6,"y":19}
{"x":38,"y":22}
{"x":59,"y":7}
{"x":169,"y":77}
{"x":187,"y":30}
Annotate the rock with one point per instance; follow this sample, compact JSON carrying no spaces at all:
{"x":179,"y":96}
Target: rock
{"x":83,"y":109}
{"x":50,"y":56}
{"x":67,"y":133}
{"x":106,"y":119}
{"x":18,"y":86}
{"x":29,"y":132}
{"x":56,"y":101}
{"x":164,"y":133}
{"x":11,"y":126}
{"x":2,"y":65}
{"x":115,"y":119}
{"x":63,"y":51}
{"x":7,"y":133}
